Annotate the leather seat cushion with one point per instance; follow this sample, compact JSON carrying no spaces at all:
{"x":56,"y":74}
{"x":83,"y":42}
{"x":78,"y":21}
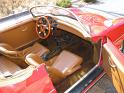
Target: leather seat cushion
{"x":67,"y":62}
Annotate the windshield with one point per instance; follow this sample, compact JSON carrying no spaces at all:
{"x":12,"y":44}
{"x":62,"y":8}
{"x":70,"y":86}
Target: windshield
{"x":50,"y":10}
{"x":38,"y":11}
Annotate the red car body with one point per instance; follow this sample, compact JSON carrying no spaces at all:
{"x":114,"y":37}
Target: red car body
{"x":113,"y":37}
{"x":39,"y":81}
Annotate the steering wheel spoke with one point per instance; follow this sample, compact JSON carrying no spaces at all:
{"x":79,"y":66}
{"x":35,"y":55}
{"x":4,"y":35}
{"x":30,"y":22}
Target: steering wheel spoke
{"x":44,"y":25}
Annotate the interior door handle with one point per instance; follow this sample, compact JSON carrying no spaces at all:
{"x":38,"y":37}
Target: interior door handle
{"x":111,"y":63}
{"x":23,"y":28}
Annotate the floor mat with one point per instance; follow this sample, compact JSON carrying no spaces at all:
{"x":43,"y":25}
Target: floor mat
{"x":104,"y":85}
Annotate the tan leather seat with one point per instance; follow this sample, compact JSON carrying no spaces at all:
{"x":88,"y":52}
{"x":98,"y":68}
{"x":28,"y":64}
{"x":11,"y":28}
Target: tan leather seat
{"x":36,"y":60}
{"x":36,"y":49}
{"x":65,"y":64}
{"x":33,"y":59}
{"x":7,"y":68}
{"x":19,"y":56}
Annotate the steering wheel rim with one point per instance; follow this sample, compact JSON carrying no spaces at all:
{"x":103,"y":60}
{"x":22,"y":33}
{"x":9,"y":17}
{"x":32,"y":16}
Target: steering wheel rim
{"x":43,"y":27}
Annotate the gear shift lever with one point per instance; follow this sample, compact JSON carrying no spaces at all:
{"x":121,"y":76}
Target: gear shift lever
{"x":56,"y":50}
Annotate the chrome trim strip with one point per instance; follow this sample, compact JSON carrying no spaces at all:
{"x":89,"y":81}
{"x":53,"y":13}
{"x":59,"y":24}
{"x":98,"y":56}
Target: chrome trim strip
{"x":95,"y":82}
{"x":80,"y":80}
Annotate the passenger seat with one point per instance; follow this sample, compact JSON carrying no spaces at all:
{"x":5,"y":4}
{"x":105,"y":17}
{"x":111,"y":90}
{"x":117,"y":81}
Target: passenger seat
{"x":65,"y":64}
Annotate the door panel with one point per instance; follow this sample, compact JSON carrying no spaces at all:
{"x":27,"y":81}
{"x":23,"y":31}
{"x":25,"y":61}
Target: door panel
{"x":113,"y":64}
{"x":20,"y":35}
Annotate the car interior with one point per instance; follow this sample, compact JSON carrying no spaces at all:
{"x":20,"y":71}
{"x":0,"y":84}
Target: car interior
{"x":68,"y":56}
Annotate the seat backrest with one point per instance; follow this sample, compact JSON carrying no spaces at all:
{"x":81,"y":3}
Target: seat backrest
{"x":67,"y":62}
{"x":33,"y":59}
{"x":37,"y":48}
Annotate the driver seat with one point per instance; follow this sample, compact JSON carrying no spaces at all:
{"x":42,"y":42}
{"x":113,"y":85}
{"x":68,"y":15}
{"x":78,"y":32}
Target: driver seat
{"x":19,"y":56}
{"x":64,"y":64}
